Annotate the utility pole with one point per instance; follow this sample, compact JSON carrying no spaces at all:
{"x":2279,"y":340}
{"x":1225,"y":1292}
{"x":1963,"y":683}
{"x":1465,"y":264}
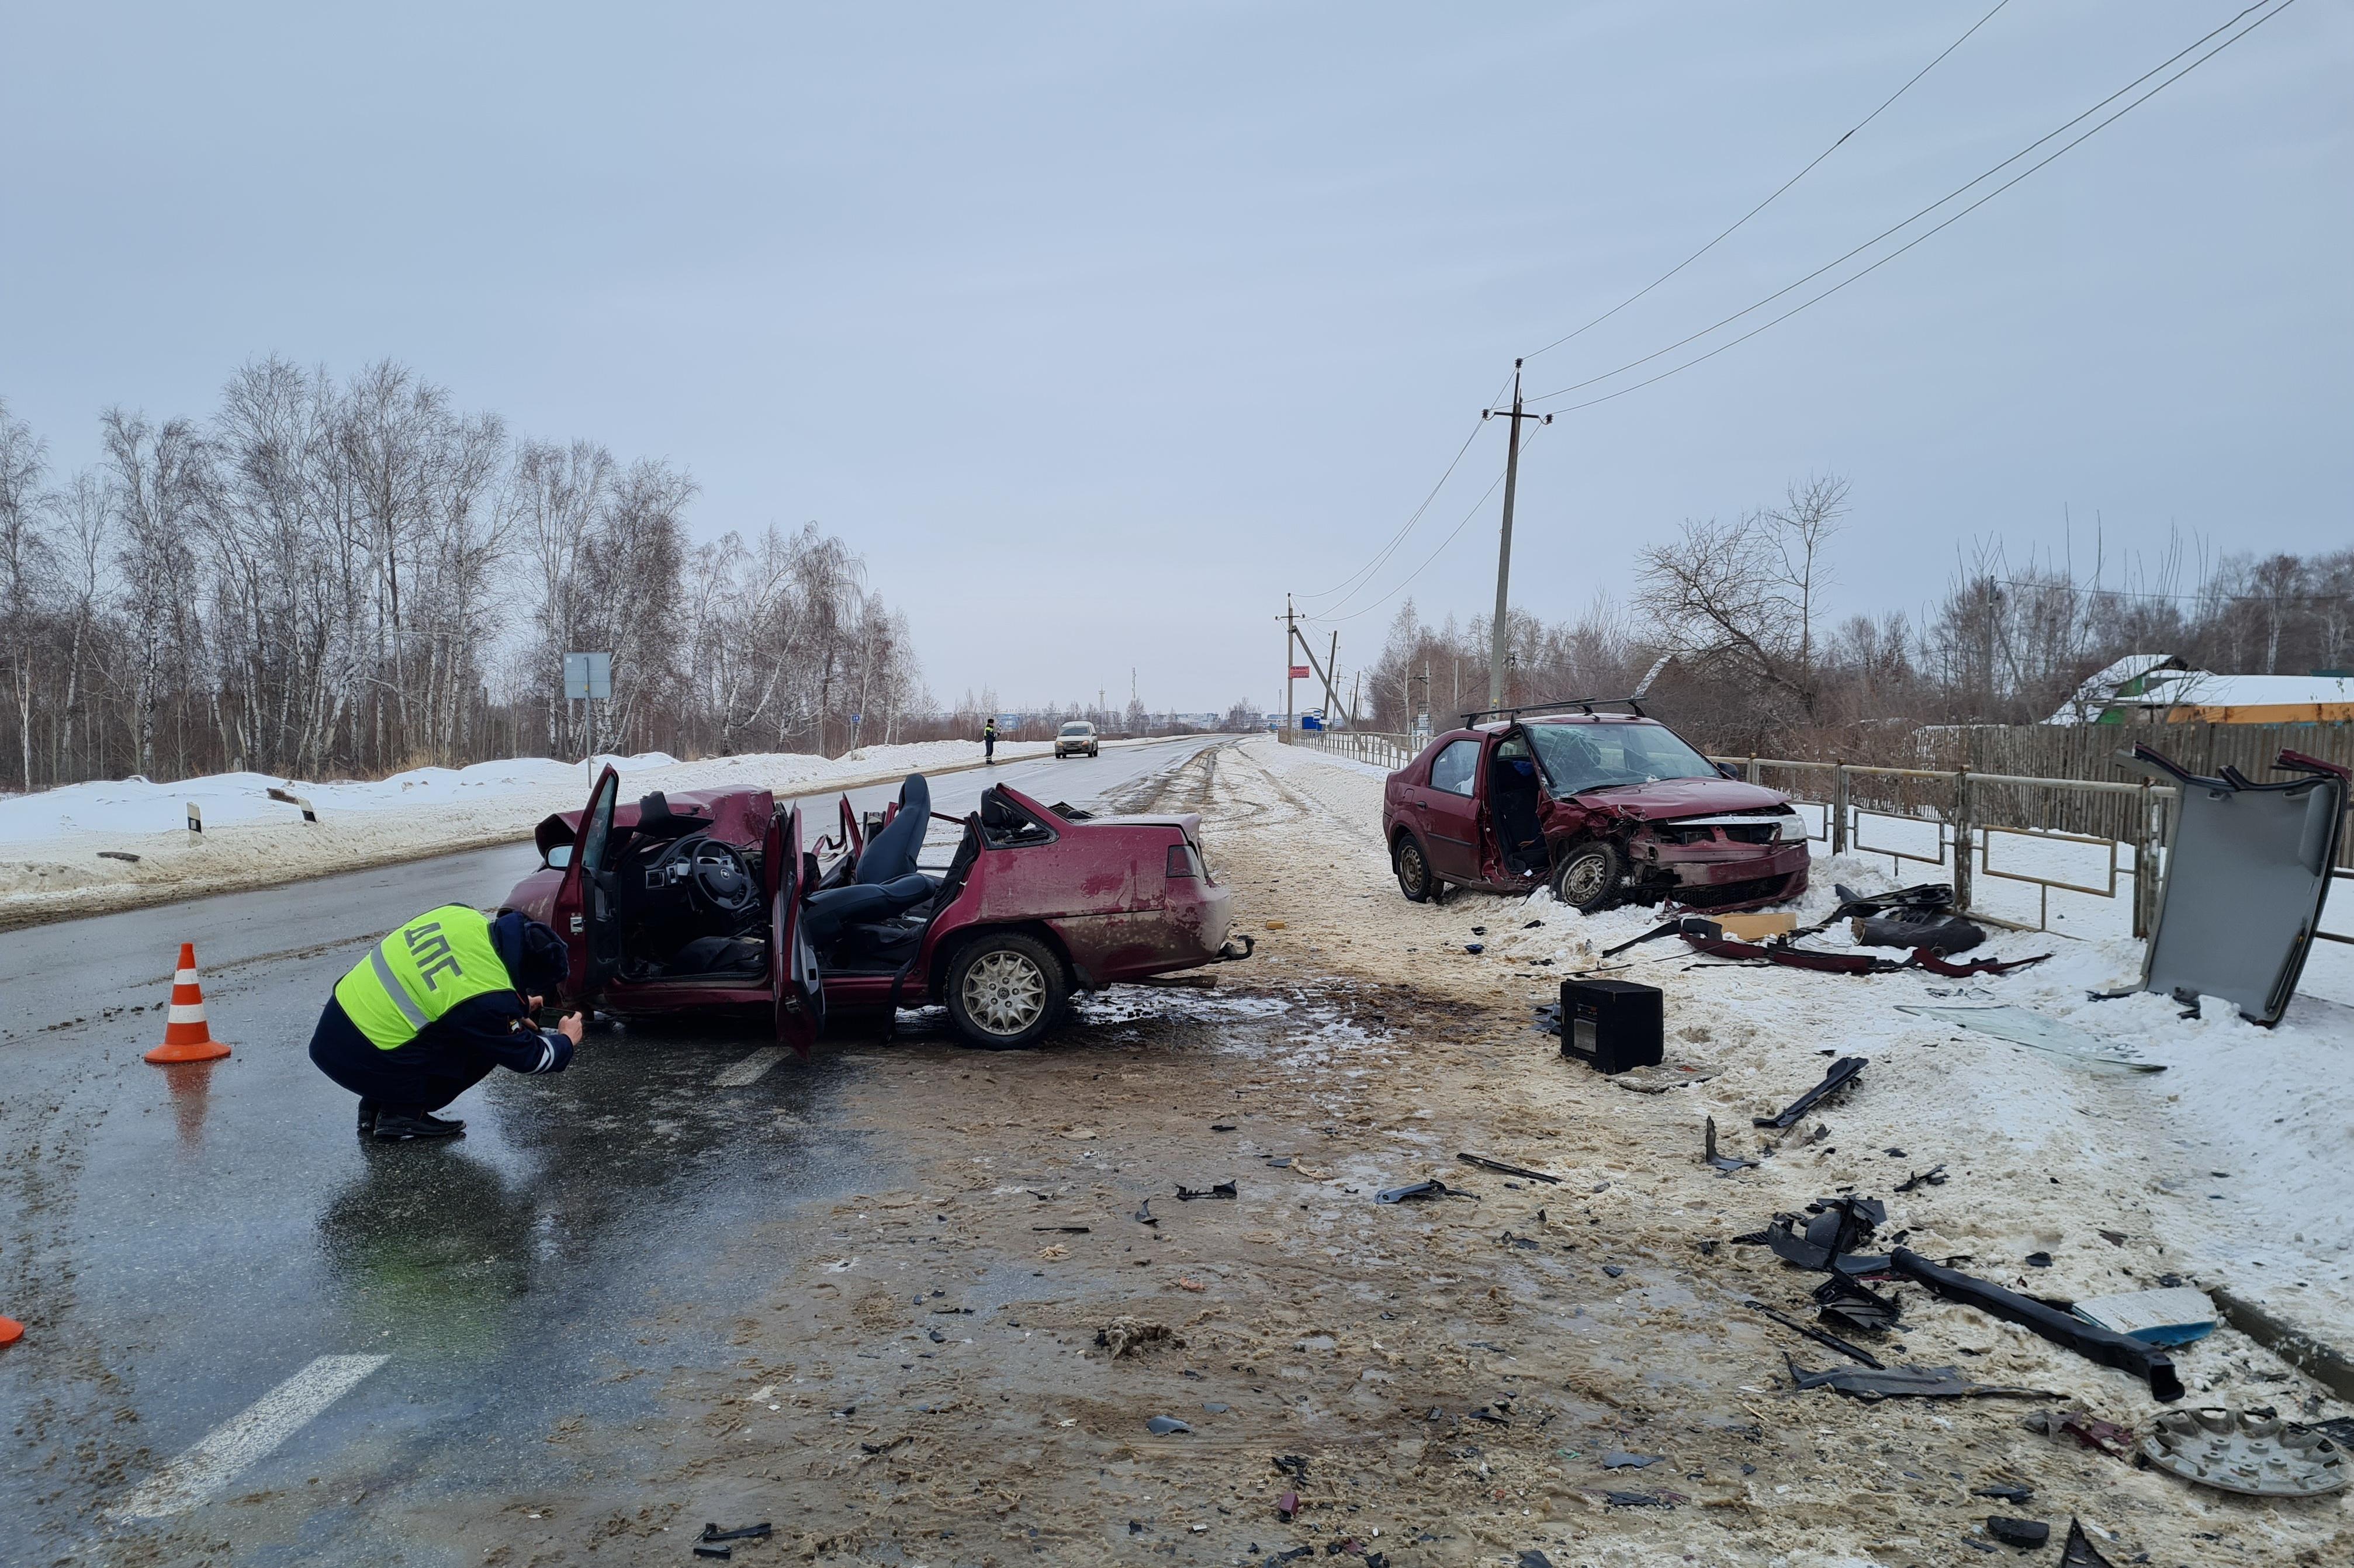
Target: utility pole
{"x":1504,"y":543}
{"x":1332,"y":673}
{"x":1290,"y":631}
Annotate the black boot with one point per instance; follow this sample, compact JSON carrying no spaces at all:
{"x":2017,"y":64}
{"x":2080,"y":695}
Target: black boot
{"x":397,"y":1126}
{"x":368,"y":1109}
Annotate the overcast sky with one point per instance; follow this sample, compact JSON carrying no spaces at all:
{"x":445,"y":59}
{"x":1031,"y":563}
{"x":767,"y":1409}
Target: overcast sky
{"x":1098,"y":327}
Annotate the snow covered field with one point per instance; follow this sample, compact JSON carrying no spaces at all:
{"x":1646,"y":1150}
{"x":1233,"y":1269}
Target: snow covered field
{"x":54,"y":859}
{"x":2231,"y":1166}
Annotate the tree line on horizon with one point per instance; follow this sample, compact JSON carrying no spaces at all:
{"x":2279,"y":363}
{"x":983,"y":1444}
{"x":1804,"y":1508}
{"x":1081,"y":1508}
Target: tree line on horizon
{"x":1756,"y":665}
{"x":332,"y":576}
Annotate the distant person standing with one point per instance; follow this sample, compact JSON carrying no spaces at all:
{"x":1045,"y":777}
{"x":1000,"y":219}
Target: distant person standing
{"x":988,"y":741}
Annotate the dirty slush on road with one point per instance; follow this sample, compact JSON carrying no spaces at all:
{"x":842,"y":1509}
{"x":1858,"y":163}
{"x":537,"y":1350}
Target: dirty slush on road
{"x":1132,"y":1296}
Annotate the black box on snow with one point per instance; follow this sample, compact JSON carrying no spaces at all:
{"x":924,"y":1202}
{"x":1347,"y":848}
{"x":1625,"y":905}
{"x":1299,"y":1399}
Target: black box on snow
{"x":1610,"y":1026}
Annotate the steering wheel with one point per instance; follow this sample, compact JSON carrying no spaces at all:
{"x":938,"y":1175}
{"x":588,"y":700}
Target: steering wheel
{"x":719,"y":876}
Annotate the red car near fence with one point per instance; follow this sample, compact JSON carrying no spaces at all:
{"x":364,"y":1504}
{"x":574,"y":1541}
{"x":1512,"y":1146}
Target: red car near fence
{"x":1598,"y":806}
{"x":711,"y":902}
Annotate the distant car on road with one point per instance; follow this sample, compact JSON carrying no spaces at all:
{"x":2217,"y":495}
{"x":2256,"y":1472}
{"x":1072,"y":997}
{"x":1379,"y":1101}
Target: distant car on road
{"x":695,"y":903}
{"x":1077,"y":736}
{"x":1599,"y":806}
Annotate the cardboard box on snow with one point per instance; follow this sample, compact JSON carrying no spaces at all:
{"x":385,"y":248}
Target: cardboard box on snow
{"x":1755,"y":928}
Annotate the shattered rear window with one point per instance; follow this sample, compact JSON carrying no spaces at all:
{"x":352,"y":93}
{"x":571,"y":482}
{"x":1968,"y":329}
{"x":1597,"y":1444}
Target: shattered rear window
{"x":1579,"y":757}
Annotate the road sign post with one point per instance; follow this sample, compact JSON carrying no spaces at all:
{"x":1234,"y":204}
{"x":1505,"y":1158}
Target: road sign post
{"x":588,"y":677}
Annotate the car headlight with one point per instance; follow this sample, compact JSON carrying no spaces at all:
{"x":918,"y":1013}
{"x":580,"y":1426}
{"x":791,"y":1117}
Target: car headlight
{"x":1792,"y":827}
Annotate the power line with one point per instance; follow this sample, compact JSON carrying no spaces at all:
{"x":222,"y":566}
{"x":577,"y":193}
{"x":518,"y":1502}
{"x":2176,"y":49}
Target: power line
{"x":1399,"y":538}
{"x":1923,"y":212}
{"x":1408,"y":526}
{"x":1785,"y":185}
{"x":1403,"y":582}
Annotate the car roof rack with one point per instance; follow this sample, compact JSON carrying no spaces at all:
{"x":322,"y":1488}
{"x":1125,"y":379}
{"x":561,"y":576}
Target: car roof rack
{"x":1583,"y":705}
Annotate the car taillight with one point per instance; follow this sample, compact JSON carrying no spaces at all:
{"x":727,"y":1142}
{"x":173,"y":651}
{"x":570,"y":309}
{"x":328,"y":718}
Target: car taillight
{"x":1184,"y":861}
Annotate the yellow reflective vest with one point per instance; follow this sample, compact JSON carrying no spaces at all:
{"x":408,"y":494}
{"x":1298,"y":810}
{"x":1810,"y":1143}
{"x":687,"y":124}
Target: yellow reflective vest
{"x":420,"y":972}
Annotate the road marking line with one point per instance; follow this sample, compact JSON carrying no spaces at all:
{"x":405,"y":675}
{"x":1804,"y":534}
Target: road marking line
{"x":749,"y":1069}
{"x":221,"y":1455}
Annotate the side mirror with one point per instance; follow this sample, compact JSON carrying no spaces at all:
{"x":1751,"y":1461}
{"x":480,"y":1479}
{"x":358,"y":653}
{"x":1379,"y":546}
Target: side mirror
{"x":1728,"y":769}
{"x":559,"y":857}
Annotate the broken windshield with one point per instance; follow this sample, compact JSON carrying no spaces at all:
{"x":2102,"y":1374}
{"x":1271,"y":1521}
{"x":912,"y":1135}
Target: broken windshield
{"x":1579,"y":757}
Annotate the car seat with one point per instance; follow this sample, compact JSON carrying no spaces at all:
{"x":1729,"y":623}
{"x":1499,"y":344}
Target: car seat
{"x":887,"y":884}
{"x":1514,"y":790}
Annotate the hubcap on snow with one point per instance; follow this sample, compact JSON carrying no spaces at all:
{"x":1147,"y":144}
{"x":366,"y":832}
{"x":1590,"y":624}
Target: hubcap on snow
{"x":1581,"y":880}
{"x":1005,"y":992}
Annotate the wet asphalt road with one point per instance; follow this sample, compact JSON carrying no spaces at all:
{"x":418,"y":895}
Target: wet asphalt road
{"x":181,"y":1242}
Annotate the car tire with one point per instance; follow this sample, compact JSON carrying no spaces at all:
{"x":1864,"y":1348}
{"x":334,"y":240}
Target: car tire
{"x":1413,"y":868}
{"x":1588,"y":877}
{"x":1005,"y":991}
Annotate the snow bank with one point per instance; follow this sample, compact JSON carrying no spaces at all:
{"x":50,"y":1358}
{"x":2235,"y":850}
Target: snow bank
{"x":2230,"y":1165}
{"x":57,"y":847}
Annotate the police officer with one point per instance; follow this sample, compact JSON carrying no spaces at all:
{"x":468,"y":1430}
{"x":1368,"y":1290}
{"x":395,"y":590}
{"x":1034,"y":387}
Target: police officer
{"x":988,"y":741}
{"x":433,"y":1008}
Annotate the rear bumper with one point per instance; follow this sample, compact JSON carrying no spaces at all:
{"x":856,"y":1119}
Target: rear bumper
{"x":1188,"y":932}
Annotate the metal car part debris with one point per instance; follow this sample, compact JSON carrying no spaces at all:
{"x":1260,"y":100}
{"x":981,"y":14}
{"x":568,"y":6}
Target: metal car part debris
{"x":760,"y":1531}
{"x":2078,"y":1551}
{"x":1222,"y":1190}
{"x":1844,"y":1300}
{"x":1932,"y":1177}
{"x":2248,"y":867}
{"x":1829,"y":1340}
{"x":2102,"y":1345}
{"x":1484,"y":1163}
{"x":1872,"y":1384}
{"x":1728,"y":1163}
{"x":1842,"y":1074}
{"x":1417,"y":1190}
{"x":2239,"y":1451}
{"x":1792,"y":1247}
{"x":2029,"y":1534}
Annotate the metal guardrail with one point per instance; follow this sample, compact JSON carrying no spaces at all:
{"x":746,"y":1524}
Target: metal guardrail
{"x":1969,"y":811}
{"x":1382,"y":749}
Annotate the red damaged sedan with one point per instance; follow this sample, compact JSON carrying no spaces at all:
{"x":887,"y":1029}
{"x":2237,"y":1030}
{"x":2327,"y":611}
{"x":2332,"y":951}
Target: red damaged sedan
{"x":710,"y":902}
{"x":1599,"y":806}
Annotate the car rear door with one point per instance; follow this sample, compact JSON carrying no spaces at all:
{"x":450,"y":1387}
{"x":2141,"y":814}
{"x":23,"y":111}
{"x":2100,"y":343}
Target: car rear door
{"x":584,"y":910}
{"x":1449,"y":811}
{"x":792,"y":965}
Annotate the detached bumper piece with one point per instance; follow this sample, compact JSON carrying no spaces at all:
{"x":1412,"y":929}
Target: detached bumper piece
{"x":2145,"y":1361}
{"x":2247,"y":869}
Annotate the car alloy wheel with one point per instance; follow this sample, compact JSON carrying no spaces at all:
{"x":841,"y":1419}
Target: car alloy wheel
{"x":1004,"y":991}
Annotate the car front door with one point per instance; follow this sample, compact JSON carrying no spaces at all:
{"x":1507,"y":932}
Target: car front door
{"x":1450,"y":811}
{"x":585,"y":914}
{"x":792,"y":965}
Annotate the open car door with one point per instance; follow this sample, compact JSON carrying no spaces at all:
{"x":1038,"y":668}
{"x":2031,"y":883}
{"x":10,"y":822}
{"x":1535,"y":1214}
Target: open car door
{"x":584,"y":914}
{"x":792,"y":965}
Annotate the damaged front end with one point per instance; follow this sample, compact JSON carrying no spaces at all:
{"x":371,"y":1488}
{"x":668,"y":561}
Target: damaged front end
{"x":1719,"y":860}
